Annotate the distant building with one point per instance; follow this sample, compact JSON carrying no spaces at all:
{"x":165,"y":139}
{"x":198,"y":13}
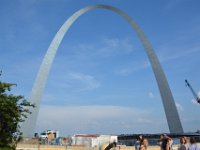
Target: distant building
{"x":90,"y":140}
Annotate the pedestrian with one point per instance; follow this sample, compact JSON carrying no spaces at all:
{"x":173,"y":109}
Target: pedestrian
{"x":183,"y":144}
{"x":167,"y":143}
{"x":138,"y":142}
{"x":193,"y":145}
{"x":144,"y":144}
{"x":160,"y":141}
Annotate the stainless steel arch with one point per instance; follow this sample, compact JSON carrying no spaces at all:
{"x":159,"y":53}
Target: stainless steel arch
{"x":172,"y":116}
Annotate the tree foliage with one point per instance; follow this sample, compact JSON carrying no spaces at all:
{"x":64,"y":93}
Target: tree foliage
{"x":13,"y":110}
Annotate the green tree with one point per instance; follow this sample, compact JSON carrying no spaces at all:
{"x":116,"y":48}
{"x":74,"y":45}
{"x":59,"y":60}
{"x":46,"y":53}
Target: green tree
{"x":13,"y":110}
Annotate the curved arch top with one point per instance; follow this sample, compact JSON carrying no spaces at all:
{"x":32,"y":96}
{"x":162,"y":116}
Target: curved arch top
{"x":172,"y":116}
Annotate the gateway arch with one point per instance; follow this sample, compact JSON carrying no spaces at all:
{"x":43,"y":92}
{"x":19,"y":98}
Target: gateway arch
{"x":173,"y":120}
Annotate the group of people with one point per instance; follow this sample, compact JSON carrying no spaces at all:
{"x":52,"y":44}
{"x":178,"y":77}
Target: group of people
{"x":188,"y":144}
{"x":165,"y":143}
{"x":185,"y":143}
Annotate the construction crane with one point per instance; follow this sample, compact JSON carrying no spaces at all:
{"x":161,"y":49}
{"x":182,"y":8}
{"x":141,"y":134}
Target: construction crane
{"x":197,"y":98}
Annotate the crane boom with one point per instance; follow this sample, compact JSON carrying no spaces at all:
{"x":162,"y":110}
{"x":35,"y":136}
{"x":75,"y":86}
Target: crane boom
{"x":193,"y":92}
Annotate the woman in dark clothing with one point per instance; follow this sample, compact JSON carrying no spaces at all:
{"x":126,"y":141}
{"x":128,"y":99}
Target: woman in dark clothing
{"x":167,"y":143}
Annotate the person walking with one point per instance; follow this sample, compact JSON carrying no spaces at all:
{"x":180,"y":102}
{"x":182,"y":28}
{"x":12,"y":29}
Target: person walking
{"x":144,"y":144}
{"x":138,"y":142}
{"x":167,"y":143}
{"x":193,"y":145}
{"x":183,"y":144}
{"x":160,"y":141}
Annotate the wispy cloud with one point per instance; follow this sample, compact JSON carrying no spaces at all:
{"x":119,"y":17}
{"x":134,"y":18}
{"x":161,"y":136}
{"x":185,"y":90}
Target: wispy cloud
{"x":116,"y":46}
{"x":179,"y":107}
{"x":166,"y":54}
{"x":132,"y":68}
{"x":84,"y":81}
{"x":194,"y":101}
{"x":151,"y":95}
{"x":104,"y":48}
{"x":169,"y":53}
{"x":124,"y":71}
{"x":171,"y":4}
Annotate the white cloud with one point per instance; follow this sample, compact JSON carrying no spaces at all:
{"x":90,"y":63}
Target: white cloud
{"x":85,"y":82}
{"x":166,"y":53}
{"x":95,"y":119}
{"x":75,"y":82}
{"x":115,"y":46}
{"x":124,"y":72}
{"x":104,"y":48}
{"x":179,"y":107}
{"x":150,"y":94}
{"x":172,"y":4}
{"x":134,"y":67}
{"x":194,"y":101}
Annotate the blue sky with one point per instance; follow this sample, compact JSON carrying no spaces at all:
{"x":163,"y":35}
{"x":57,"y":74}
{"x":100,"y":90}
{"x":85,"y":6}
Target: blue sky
{"x":101,"y":80}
